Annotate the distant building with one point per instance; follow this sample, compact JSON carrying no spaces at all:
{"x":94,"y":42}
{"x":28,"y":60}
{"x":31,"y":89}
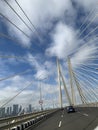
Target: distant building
{"x":20,"y":109}
{"x":8,"y":111}
{"x":15,"y":109}
{"x":2,"y":112}
{"x":30,"y":108}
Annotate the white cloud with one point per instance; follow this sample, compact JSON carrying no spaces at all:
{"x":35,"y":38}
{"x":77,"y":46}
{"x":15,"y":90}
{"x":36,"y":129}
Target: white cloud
{"x":87,"y":4}
{"x":29,"y":95}
{"x":64,"y":41}
{"x":11,"y":87}
{"x":40,"y":12}
{"x":90,"y":8}
{"x":42,"y":70}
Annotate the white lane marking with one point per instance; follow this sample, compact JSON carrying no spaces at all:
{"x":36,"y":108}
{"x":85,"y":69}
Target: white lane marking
{"x":60,"y":123}
{"x":62,"y":116}
{"x":96,"y":128}
{"x":84,"y":114}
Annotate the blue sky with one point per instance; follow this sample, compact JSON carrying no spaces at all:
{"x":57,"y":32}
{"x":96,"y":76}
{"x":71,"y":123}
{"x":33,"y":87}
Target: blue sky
{"x":59,"y":35}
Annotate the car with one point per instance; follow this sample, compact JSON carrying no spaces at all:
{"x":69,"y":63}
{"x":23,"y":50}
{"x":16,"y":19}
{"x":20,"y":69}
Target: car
{"x":70,"y":109}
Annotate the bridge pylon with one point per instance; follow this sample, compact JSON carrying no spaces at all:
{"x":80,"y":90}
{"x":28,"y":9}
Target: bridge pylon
{"x":61,"y":78}
{"x":59,"y":83}
{"x":72,"y":75}
{"x":73,"y":100}
{"x":65,"y":88}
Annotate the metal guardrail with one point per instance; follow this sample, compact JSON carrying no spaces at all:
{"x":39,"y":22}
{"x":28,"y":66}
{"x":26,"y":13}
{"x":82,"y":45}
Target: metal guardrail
{"x":43,"y":118}
{"x":94,"y":104}
{"x":3,"y":120}
{"x":8,"y":123}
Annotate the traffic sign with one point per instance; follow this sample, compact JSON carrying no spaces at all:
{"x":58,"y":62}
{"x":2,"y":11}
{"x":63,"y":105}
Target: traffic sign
{"x":40,"y":102}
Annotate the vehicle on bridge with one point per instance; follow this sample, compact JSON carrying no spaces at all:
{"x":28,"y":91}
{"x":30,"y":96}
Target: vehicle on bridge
{"x":70,"y":109}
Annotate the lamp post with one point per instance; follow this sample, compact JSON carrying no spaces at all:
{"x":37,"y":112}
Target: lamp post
{"x":40,"y":100}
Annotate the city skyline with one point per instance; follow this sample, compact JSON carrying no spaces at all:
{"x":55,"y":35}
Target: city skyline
{"x":16,"y":110}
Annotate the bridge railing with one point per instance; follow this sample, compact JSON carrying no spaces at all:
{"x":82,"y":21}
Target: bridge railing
{"x":9,"y":123}
{"x":94,"y":104}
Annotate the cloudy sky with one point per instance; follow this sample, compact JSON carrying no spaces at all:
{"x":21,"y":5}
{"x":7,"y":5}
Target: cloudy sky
{"x":38,"y":32}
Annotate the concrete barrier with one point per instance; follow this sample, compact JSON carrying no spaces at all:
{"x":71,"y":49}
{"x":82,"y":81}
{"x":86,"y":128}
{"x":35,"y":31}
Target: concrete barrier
{"x":24,"y":121}
{"x":14,"y":128}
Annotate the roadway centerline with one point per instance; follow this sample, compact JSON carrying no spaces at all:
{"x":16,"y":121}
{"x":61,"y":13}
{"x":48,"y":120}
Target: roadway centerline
{"x":62,"y":116}
{"x":60,"y":123}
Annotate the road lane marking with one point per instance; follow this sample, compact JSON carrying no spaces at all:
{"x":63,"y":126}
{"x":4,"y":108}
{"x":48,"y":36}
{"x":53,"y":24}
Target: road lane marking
{"x":60,"y":123}
{"x":84,"y":114}
{"x":96,"y":128}
{"x":62,"y":116}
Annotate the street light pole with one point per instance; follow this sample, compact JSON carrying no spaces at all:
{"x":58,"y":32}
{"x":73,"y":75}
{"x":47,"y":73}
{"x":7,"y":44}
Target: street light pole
{"x":41,"y":101}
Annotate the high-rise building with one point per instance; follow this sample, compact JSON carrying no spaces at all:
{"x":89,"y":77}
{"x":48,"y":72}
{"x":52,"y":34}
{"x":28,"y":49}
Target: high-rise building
{"x":8,"y":111}
{"x":20,"y":109}
{"x":15,"y":109}
{"x":30,"y":108}
{"x":2,"y":112}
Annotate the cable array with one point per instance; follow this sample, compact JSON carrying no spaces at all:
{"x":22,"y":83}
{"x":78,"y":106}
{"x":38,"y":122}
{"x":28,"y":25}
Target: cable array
{"x":28,"y":19}
{"x":16,"y":95}
{"x":87,"y":76}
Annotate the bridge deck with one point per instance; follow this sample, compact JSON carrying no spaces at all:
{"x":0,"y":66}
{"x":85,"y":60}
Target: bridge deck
{"x":83,"y":119}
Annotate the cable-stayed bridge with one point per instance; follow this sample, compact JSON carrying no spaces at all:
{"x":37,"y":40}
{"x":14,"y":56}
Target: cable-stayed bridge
{"x":85,"y":117}
{"x":78,"y":87}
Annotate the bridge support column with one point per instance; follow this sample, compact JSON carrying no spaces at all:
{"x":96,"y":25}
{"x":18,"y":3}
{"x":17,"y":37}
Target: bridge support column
{"x":59,"y":83}
{"x":71,"y":82}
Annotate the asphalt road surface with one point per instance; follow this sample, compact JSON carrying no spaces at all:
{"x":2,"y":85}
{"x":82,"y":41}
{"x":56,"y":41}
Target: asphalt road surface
{"x":83,"y":119}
